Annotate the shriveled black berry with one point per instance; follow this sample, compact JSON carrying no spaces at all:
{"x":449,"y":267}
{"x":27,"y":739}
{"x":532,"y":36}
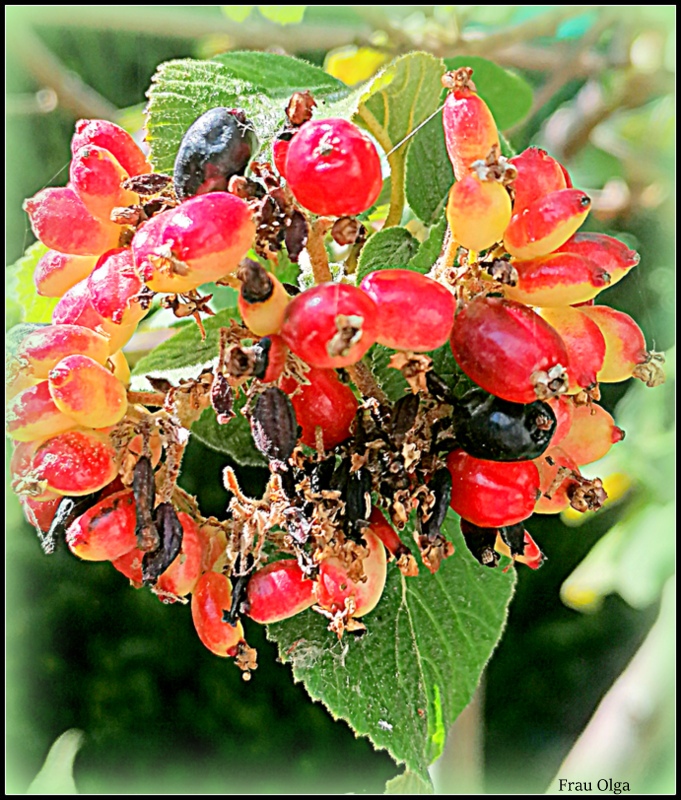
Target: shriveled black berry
{"x":441,"y":487}
{"x":222,"y":399}
{"x":321,"y":474}
{"x":404,"y":414}
{"x":357,"y":501}
{"x":480,"y":542}
{"x":144,"y":489}
{"x":169,"y":527}
{"x":488,"y":427}
{"x":218,"y":145}
{"x":514,"y":536}
{"x":274,"y":426}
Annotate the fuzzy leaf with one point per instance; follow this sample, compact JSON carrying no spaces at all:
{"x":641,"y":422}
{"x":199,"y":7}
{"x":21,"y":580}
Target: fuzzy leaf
{"x":406,"y":680}
{"x":430,"y":249}
{"x":393,"y":247}
{"x":258,"y":83}
{"x":429,"y":172}
{"x":23,"y":303}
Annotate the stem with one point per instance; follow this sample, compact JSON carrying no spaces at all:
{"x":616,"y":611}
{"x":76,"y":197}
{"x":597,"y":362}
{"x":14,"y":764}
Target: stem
{"x":319,"y":259}
{"x":364,"y":380}
{"x":147,"y":398}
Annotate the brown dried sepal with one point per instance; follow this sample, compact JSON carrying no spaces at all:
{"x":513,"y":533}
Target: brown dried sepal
{"x":459,"y":79}
{"x":414,"y":367}
{"x":585,"y":494}
{"x":222,"y":399}
{"x":651,"y":371}
{"x":348,"y":333}
{"x":149,"y":184}
{"x":434,"y":550}
{"x":549,"y":383}
{"x":346,"y":230}
{"x":246,"y":659}
{"x":299,"y":108}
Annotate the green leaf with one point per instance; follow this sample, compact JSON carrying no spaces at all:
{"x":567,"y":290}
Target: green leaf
{"x":393,"y":247}
{"x":508,"y":95}
{"x":408,"y":783}
{"x":427,"y":642}
{"x":398,"y":100}
{"x":185,"y":354}
{"x":256,"y":82}
{"x":283,"y":15}
{"x":429,"y":249}
{"x":23,"y":303}
{"x":429,"y":172}
{"x":237,"y":13}
{"x":234,"y":439}
{"x":391,"y":380}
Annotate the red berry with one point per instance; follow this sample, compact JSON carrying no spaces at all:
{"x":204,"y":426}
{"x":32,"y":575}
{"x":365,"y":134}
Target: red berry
{"x":326,"y":403}
{"x":278,"y":591}
{"x":492,"y":494}
{"x":32,"y":414}
{"x":564,"y":409}
{"x":116,"y":289}
{"x":335,"y":589}
{"x":97,"y":177}
{"x":556,"y":471}
{"x":592,"y":433}
{"x":330,"y":325}
{"x":333,"y":169}
{"x":77,"y":462}
{"x":509,"y":350}
{"x":271,"y":352}
{"x":40,"y":513}
{"x":183,"y":573}
{"x":401,"y":295}
{"x":280,"y":151}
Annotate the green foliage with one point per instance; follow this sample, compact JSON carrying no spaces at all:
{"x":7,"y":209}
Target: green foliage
{"x":430,"y":249}
{"x":22,"y":303}
{"x":405,"y":681}
{"x":392,"y":247}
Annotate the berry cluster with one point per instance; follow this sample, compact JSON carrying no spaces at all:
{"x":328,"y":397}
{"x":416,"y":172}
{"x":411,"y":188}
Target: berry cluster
{"x":511,"y":294}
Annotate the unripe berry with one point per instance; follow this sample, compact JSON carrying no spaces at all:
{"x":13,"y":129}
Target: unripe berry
{"x":397,"y":294}
{"x":106,"y":531}
{"x":592,"y":433}
{"x":491,"y":493}
{"x":183,"y":574}
{"x":556,"y":471}
{"x":508,"y":350}
{"x":33,"y":414}
{"x":262,"y":299}
{"x":538,"y":175}
{"x":116,"y":290}
{"x":212,"y":597}
{"x":330,"y":325}
{"x":333,"y":169}
{"x":583,"y":341}
{"x":113,"y":138}
{"x":325,"y":403}
{"x":564,"y":409}
{"x":278,"y":591}
{"x":625,"y":344}
{"x":478,"y":212}
{"x":57,"y":272}
{"x":97,"y":176}
{"x":201,"y":240}
{"x":88,"y":392}
{"x":546,"y":223}
{"x":557,"y":280}
{"x":609,"y":253}
{"x":40,"y":513}
{"x":334,"y":588}
{"x":470,"y":130}
{"x":62,"y":222}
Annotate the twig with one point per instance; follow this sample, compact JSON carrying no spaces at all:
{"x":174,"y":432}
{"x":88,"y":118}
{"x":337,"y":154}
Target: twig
{"x":73,"y":93}
{"x":319,"y":260}
{"x":147,"y":398}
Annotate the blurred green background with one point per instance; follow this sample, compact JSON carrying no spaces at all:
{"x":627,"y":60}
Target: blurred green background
{"x":159,"y":712}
